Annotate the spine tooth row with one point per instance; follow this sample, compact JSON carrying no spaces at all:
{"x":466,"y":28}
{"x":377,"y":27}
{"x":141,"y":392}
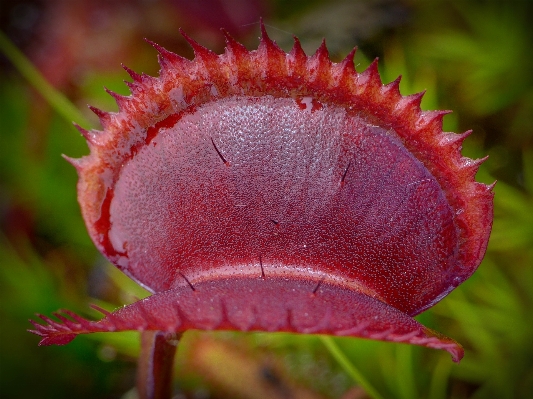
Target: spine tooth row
{"x":276,"y":61}
{"x":316,"y":68}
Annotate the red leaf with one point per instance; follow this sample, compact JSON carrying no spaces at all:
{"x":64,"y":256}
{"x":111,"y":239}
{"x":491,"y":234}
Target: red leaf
{"x":258,"y":190}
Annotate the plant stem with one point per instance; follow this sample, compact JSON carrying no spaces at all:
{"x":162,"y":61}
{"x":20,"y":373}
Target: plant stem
{"x":156,"y":360}
{"x":55,"y":98}
{"x":348,"y":366}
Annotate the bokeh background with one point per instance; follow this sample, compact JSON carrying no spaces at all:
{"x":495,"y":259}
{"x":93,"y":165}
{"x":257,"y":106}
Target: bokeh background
{"x":473,"y":57}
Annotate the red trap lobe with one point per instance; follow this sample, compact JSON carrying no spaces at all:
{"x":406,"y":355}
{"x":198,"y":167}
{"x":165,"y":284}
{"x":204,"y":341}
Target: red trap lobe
{"x":258,"y":190}
{"x":243,"y":177}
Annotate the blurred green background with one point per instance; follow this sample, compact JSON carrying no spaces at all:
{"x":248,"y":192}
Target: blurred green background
{"x":473,"y":57}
